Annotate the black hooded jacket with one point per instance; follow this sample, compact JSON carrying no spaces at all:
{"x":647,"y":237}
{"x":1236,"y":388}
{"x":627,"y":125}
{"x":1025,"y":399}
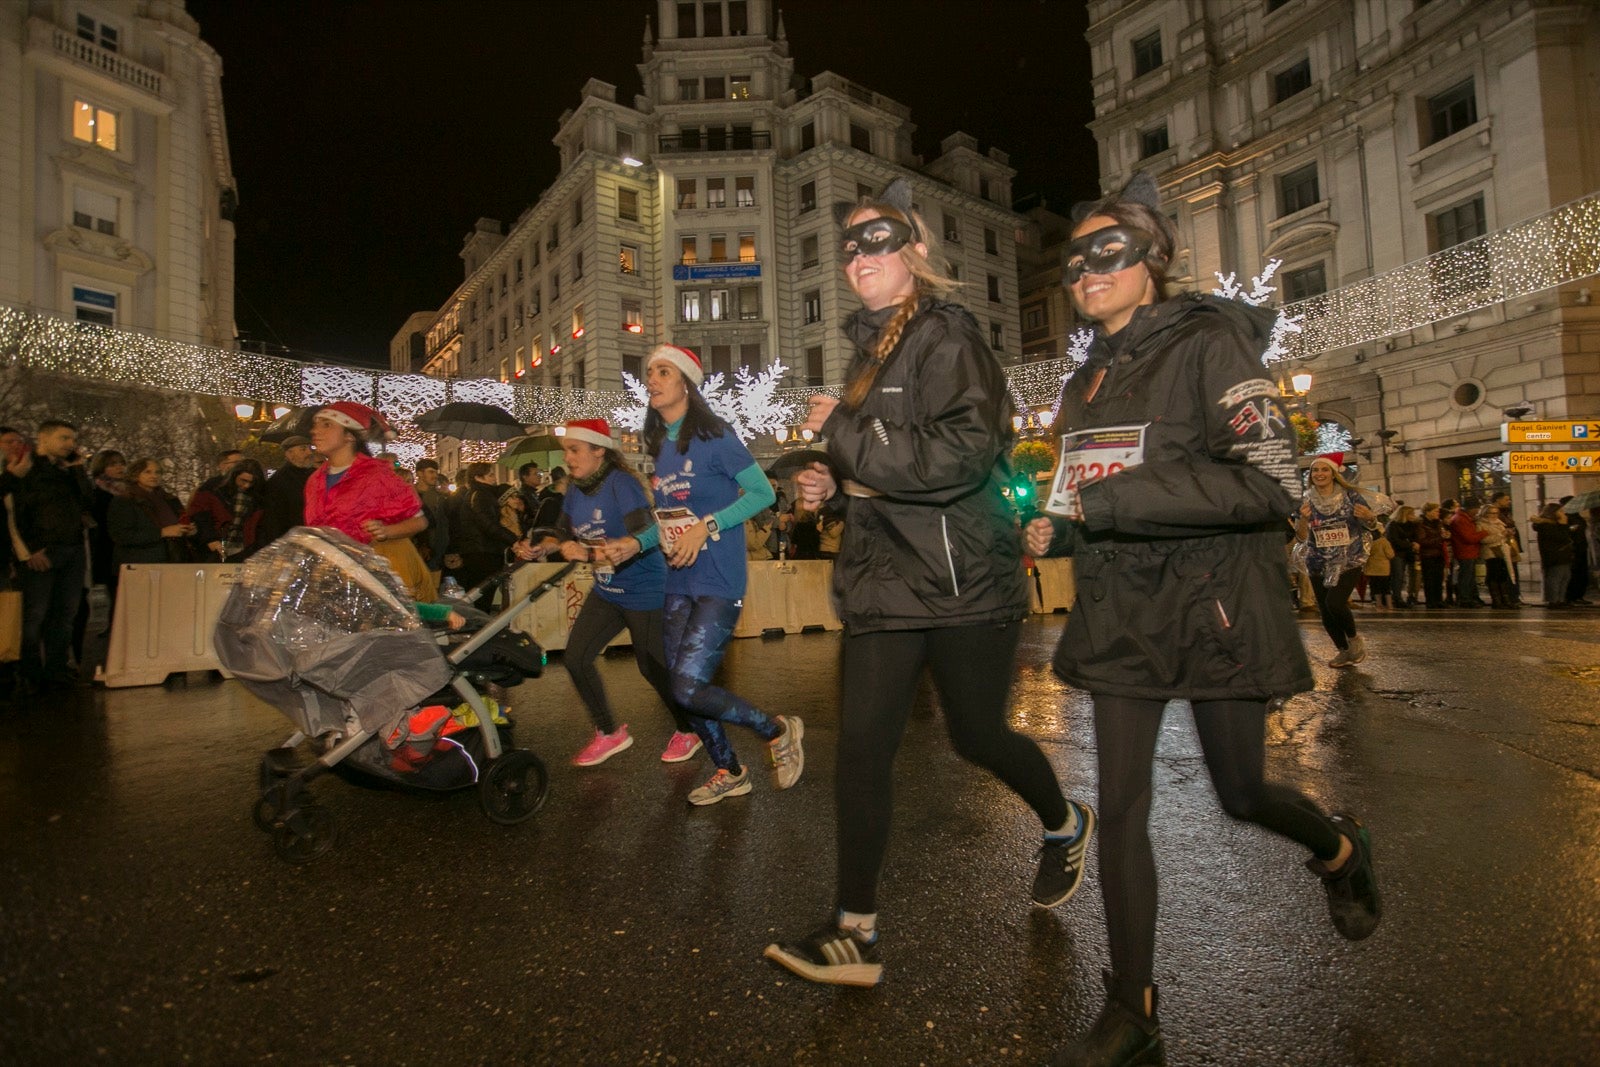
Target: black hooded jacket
{"x":940,"y":546}
{"x":1179,"y":562}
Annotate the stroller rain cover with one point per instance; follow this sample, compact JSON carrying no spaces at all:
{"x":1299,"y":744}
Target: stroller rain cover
{"x":318,"y":625}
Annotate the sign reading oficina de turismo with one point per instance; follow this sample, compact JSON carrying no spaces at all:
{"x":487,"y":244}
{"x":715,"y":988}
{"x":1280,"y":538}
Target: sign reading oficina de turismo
{"x":1581,"y":432}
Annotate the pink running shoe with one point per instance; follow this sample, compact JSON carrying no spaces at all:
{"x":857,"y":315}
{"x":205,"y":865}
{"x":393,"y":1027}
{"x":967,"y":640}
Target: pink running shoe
{"x":681,"y":747}
{"x":603,"y":747}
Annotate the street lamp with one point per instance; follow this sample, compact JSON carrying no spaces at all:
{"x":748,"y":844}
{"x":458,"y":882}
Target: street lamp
{"x":1301,"y":383}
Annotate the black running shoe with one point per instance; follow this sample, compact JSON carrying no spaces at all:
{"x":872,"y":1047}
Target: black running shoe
{"x":831,"y":955}
{"x":1353,"y":899}
{"x":1119,"y":1038}
{"x":1061,"y":863}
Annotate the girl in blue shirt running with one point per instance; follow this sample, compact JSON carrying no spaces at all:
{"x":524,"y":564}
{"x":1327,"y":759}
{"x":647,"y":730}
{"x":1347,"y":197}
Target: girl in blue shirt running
{"x":706,"y":484}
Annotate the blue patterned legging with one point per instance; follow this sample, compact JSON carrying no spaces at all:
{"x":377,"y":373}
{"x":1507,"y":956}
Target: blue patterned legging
{"x":696,"y":631}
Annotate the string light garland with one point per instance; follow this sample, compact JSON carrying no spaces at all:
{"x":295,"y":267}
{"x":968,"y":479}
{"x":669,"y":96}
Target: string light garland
{"x":1560,"y":246}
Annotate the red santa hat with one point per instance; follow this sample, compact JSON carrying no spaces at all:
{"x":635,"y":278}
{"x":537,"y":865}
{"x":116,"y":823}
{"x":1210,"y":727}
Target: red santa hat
{"x":357,"y":418}
{"x":686,"y":361}
{"x":594,"y":431}
{"x":1332,"y":459}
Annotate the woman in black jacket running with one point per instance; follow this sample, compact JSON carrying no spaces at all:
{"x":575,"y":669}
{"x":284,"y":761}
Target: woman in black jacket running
{"x":929,"y":570}
{"x":1177,"y":473}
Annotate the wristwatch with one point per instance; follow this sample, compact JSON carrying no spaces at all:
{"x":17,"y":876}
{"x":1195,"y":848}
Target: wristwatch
{"x":712,"y":528}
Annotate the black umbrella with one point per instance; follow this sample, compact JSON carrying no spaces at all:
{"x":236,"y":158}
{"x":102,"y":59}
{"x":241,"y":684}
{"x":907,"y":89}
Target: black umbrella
{"x":471,"y":422}
{"x":296,"y":422}
{"x":792,"y":463}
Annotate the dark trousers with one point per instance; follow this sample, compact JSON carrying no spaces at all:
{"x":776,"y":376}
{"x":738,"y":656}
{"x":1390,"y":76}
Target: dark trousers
{"x":1433,"y":581}
{"x":1233,"y":739}
{"x":598,"y":622}
{"x":972,"y":670}
{"x":1334,"y":603}
{"x":695,"y":634}
{"x":50,"y":603}
{"x":1467,"y":584}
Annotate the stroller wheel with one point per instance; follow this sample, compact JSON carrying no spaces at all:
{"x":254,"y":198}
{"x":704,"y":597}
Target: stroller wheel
{"x":514,"y":787}
{"x":265,"y":814}
{"x":304,"y":835}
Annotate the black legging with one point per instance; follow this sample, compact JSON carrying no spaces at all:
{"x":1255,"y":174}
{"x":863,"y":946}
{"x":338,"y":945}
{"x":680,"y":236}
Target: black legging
{"x":1433,"y":580}
{"x":598,"y":622}
{"x":1334,"y":603}
{"x":1233,"y":739}
{"x":972,"y":669}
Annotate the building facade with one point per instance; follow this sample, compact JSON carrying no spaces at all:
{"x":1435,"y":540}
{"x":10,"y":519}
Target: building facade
{"x":701,"y":213}
{"x":116,"y":191}
{"x":1348,"y":138}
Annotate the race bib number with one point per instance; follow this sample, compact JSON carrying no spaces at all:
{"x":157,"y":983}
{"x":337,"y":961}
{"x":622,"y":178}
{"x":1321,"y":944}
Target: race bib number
{"x":1332,"y":536}
{"x":1088,"y":456}
{"x":673,"y":521}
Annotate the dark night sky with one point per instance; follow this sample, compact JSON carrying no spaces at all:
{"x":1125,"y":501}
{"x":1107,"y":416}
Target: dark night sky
{"x":369,"y":135}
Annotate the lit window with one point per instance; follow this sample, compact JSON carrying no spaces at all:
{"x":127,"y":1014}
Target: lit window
{"x":739,"y":87}
{"x":94,"y":125}
{"x":747,"y":248}
{"x":577,"y":321}
{"x":719,"y":248}
{"x":716,"y":192}
{"x":628,"y":260}
{"x":689,"y":305}
{"x":632,"y":316}
{"x":688,"y":250}
{"x":719,"y":305}
{"x":745,"y":190}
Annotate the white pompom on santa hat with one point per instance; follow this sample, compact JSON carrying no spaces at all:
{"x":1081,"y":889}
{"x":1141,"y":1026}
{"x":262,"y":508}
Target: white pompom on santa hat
{"x":686,"y":361}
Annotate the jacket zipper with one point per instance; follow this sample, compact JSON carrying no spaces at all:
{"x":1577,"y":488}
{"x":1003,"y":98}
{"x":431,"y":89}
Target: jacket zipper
{"x":944,"y":531}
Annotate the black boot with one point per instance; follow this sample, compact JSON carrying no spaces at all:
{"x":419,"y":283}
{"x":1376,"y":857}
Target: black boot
{"x":1121,"y":1037}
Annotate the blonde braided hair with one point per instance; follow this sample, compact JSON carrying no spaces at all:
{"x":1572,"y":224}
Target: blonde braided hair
{"x":929,"y":278}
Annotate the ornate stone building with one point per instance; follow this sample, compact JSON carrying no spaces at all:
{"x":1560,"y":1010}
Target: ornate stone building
{"x":700,"y":213}
{"x":116,"y":191}
{"x":1349,"y":139}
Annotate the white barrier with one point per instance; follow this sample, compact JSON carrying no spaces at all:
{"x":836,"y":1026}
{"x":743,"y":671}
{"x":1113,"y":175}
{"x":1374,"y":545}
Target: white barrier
{"x":787,"y":595}
{"x":549,"y":619}
{"x":163,"y":621}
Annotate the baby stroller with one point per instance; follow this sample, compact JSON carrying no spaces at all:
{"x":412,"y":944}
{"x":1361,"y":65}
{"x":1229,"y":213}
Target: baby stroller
{"x":321,"y":628}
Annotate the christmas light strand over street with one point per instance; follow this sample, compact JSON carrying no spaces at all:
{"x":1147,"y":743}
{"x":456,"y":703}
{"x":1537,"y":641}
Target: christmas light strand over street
{"x":1560,"y":246}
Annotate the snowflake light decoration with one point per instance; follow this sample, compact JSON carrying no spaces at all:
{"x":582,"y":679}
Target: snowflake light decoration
{"x":1260,"y":292}
{"x":751,"y":406}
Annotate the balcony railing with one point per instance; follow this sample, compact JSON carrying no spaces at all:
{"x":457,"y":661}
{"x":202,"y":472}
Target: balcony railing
{"x":715,"y":141}
{"x":86,"y":53}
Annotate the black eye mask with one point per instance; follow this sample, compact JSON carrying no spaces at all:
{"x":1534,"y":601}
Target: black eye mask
{"x":875,"y":237}
{"x":1089,"y":254}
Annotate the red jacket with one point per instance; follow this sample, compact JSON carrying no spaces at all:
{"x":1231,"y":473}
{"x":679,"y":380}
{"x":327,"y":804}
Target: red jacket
{"x":1464,"y":535}
{"x":370,"y":489}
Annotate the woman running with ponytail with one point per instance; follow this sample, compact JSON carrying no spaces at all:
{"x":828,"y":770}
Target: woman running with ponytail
{"x":929,"y":572}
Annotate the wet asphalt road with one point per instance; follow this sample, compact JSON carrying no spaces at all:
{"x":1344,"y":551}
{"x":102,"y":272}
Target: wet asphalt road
{"x":145,"y":919}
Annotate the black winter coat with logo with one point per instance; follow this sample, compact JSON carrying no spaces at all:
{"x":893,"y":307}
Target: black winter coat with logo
{"x":1179,"y":561}
{"x":940,"y":546}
